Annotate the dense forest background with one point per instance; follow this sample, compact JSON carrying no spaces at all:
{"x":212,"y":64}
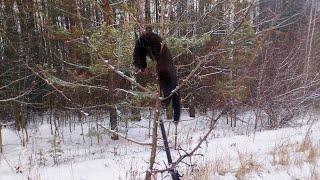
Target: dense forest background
{"x":75,"y":57}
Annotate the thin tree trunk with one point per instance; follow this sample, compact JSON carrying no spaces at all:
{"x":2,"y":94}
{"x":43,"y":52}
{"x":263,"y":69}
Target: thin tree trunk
{"x":162,"y":5}
{"x":1,"y":150}
{"x":154,"y":139}
{"x":147,"y":12}
{"x":106,"y":12}
{"x":112,"y":110}
{"x":140,"y":10}
{"x":310,"y":37}
{"x":192,"y":109}
{"x":113,"y":122}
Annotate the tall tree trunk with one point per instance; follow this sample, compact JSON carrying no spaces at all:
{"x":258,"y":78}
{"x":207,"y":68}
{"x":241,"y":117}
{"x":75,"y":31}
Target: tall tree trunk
{"x":154,"y":138}
{"x":181,"y":8}
{"x":112,"y":109}
{"x":310,"y":39}
{"x":156,"y":7}
{"x":162,"y":5}
{"x":147,"y":12}
{"x":106,"y":12}
{"x":192,"y":109}
{"x":140,"y":4}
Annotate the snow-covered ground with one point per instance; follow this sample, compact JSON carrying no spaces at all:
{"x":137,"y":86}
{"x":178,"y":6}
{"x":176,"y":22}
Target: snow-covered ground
{"x":229,"y":153}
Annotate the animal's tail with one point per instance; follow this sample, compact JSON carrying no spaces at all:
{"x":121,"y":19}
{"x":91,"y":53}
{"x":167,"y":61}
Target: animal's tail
{"x":176,"y":107}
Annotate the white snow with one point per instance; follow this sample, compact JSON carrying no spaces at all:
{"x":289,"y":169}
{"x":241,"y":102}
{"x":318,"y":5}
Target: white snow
{"x":229,"y":153}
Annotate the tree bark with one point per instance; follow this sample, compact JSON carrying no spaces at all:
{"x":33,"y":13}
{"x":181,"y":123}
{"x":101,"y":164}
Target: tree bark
{"x":154,"y":139}
{"x":106,"y":12}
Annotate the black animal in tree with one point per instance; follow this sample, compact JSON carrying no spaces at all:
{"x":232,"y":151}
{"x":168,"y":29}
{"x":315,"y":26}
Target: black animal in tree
{"x":150,"y":44}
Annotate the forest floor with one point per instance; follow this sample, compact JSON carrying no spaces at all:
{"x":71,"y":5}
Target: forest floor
{"x":237,"y":152}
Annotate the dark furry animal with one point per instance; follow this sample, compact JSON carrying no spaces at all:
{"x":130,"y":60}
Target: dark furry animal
{"x":150,"y":44}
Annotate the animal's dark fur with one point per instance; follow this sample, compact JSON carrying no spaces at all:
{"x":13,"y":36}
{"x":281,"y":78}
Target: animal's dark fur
{"x":150,"y":44}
